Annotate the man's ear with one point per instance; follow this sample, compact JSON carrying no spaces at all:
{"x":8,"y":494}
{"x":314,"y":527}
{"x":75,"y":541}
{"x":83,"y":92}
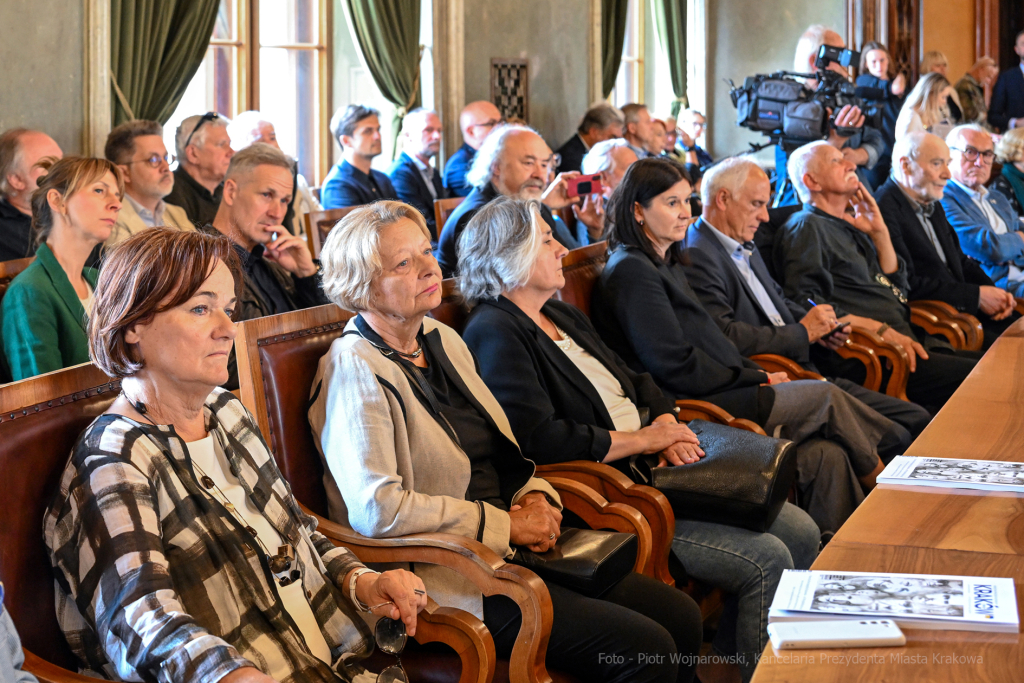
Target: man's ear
{"x":16,"y":183}
{"x":811,"y":184}
{"x":229,"y":192}
{"x":124,"y":174}
{"x":722,"y":199}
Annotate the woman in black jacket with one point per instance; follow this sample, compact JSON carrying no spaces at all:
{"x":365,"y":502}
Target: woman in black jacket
{"x":877,"y":85}
{"x":569,"y":397}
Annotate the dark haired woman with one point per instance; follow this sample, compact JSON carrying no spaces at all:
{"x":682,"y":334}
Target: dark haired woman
{"x":46,"y":306}
{"x":646,"y":312}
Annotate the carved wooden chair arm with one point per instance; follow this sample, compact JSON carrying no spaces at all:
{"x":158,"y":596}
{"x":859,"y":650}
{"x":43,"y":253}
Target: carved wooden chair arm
{"x":465,"y":634}
{"x":931,"y":322}
{"x":1019,"y":307}
{"x":618,"y":488}
{"x":867,"y":356}
{"x":772,"y":362}
{"x":595,"y":510}
{"x":481,"y":565}
{"x":974,"y":333}
{"x":702,"y":410}
{"x":894,"y":353}
{"x":51,"y":673}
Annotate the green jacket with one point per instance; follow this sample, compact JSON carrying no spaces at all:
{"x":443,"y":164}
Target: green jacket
{"x":43,"y":320}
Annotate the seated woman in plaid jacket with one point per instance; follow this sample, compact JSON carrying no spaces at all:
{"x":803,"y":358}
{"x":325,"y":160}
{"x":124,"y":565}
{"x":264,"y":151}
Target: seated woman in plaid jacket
{"x":178,"y":549}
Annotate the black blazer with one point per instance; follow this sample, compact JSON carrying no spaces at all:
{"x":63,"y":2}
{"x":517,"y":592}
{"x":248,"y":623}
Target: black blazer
{"x":555,"y":412}
{"x":732,"y":305}
{"x":649,"y":315}
{"x":957,"y":282}
{"x":413,"y":190}
{"x":1007,"y":98}
{"x":572,"y":153}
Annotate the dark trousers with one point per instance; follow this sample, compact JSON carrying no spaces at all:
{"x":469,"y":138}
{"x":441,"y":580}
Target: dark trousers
{"x":910,"y":418}
{"x":994,"y":328}
{"x":641,"y":630}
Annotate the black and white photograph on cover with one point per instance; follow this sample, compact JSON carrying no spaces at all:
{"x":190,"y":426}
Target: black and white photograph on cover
{"x":989,"y":472}
{"x":889,"y":595}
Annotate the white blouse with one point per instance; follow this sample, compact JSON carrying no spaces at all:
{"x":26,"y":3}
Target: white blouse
{"x":624,"y":414}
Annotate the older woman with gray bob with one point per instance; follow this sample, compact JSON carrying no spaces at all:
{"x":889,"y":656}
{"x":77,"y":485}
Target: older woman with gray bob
{"x":570,"y":397}
{"x":414,"y":442}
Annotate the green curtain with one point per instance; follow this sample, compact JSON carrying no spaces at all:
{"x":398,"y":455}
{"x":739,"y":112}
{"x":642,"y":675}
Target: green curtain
{"x":388,"y":33}
{"x":670,"y":25}
{"x":156,"y":48}
{"x":613,"y":33}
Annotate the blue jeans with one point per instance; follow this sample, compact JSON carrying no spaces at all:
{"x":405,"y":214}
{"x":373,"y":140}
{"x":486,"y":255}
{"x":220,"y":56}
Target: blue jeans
{"x":747,"y":565}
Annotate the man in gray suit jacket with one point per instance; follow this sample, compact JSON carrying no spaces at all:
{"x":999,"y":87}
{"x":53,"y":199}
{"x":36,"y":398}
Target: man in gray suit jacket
{"x":732,"y":282}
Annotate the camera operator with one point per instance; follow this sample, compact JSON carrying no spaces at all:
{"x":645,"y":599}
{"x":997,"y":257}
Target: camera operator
{"x":864,"y":148}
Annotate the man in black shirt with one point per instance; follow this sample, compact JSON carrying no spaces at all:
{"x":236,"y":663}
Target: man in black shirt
{"x":20,"y":149}
{"x":204,"y":151}
{"x":279,"y":273}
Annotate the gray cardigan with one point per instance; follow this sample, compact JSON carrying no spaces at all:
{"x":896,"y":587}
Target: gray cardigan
{"x":390,"y":469}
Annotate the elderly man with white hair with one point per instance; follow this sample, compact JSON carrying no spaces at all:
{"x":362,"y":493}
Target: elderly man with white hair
{"x":204,"y":151}
{"x":20,"y":149}
{"x":825,"y":256}
{"x":513,"y":161}
{"x":251,"y":127}
{"x":990,"y":230}
{"x":610,"y":159}
{"x":937,"y":267}
{"x":733,"y":284}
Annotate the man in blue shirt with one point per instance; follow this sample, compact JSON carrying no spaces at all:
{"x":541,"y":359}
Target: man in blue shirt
{"x":416,"y":181}
{"x":477,"y":120}
{"x":352,"y":182}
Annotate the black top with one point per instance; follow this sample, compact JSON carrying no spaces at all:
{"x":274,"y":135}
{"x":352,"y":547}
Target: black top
{"x":257,"y":271}
{"x":412,"y":189}
{"x":556,"y":413}
{"x":572,"y":153}
{"x":15,"y":233}
{"x":827,"y":260}
{"x":647,"y":313}
{"x":199,"y":203}
{"x":1007,"y":98}
{"x":958,"y":280}
{"x":455,"y":171}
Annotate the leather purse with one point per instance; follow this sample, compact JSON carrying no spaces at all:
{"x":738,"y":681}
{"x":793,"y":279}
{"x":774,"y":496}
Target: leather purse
{"x":743,"y":479}
{"x":588,"y":561}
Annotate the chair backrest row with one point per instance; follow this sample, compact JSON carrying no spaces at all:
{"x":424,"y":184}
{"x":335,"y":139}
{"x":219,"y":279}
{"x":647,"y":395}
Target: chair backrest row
{"x":11,"y":269}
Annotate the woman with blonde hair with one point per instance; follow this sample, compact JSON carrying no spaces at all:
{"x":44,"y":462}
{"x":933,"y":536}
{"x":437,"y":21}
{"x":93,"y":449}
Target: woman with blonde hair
{"x":1010,"y":181}
{"x":45,"y":309}
{"x":927,"y":108}
{"x":934,"y":62}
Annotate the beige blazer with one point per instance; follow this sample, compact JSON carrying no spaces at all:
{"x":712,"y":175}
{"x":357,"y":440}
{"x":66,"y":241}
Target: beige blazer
{"x":129,"y":222}
{"x":391,"y":469}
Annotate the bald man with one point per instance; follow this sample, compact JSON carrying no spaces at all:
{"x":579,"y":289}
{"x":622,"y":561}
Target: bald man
{"x":477,"y":120}
{"x":20,"y":150}
{"x":414,"y":178}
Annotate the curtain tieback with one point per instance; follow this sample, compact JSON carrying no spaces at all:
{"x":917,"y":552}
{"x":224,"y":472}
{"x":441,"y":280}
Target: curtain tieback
{"x":403,"y":110}
{"x":120,"y":96}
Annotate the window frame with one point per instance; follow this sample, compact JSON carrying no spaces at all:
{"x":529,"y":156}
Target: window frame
{"x":638,"y":11}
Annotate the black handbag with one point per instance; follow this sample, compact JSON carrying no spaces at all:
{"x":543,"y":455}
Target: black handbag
{"x":742,"y":480}
{"x":588,"y":561}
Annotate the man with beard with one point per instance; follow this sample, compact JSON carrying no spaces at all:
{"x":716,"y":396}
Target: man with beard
{"x":352,"y":182}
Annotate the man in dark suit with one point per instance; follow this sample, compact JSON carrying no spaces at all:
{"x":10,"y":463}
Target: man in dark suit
{"x":416,"y":181}
{"x":601,"y":122}
{"x":1006,"y":110}
{"x":937,"y":267}
{"x":352,"y":182}
{"x":726,"y":271}
{"x":516,"y":162}
{"x":477,"y":120}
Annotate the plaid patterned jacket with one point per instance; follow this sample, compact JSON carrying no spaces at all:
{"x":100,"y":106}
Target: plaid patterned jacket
{"x":156,"y":581}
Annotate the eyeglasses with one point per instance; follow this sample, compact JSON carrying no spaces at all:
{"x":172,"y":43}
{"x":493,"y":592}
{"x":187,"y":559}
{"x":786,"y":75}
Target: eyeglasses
{"x":391,"y":638}
{"x":488,"y":124}
{"x":154,"y":160}
{"x":208,"y":116}
{"x":972,"y":154}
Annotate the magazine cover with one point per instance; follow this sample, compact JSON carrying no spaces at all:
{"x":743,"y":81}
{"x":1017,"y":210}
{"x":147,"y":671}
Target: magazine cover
{"x":966,"y":603}
{"x":985,"y":475}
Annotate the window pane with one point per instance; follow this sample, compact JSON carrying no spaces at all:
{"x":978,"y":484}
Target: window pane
{"x":224,"y":27}
{"x":288,"y":21}
{"x":288,"y":98}
{"x":211,"y":89}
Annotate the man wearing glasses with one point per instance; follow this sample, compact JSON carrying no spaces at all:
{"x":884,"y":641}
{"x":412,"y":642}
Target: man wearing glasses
{"x":477,"y":120}
{"x":137,"y":147}
{"x":204,"y":151}
{"x":988,"y":227}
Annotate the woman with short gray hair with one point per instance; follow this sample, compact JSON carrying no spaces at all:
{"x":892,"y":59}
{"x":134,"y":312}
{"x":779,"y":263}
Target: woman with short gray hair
{"x":569,"y":397}
{"x":413,"y":442}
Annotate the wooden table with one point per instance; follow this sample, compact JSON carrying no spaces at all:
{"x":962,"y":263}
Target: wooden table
{"x":931,"y":531}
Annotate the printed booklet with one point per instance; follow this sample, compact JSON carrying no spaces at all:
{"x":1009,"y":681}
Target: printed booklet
{"x":985,"y":475}
{"x":956,"y":603}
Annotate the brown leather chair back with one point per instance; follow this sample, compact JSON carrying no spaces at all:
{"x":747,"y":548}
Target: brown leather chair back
{"x":281,"y":353}
{"x":444,"y":208}
{"x":9,"y":270}
{"x":40,"y":420}
{"x":453,"y":310}
{"x":319,"y":223}
{"x":581,"y":268}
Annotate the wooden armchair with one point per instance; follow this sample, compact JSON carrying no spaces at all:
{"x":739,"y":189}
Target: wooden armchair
{"x":444,"y":208}
{"x":9,"y":270}
{"x":278,"y":357}
{"x":40,"y":420}
{"x":962,"y":330}
{"x":319,"y":223}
